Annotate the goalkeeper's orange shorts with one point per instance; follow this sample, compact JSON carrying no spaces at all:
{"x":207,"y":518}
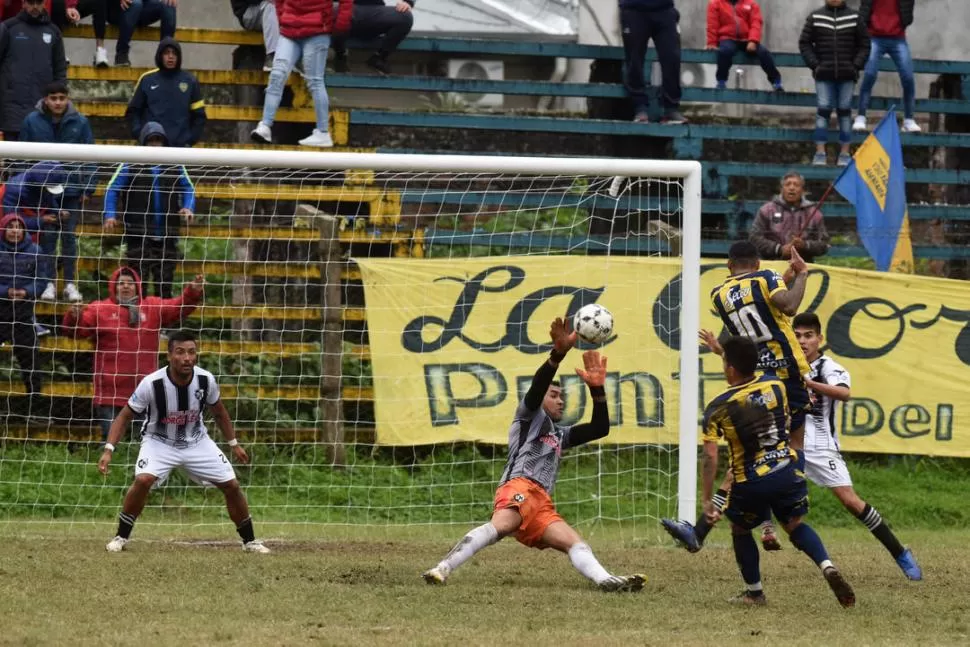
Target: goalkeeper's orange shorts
{"x":534,"y":506}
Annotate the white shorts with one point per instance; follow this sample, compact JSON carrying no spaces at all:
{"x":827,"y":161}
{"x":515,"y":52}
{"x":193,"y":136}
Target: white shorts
{"x":826,"y":468}
{"x":203,"y":462}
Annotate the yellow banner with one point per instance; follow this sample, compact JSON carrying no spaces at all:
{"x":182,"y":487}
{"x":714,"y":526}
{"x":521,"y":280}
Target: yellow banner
{"x":454,"y":345}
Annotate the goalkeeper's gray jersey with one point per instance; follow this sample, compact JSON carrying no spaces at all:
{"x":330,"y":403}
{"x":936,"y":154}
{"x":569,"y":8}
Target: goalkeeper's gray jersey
{"x":535,"y":446}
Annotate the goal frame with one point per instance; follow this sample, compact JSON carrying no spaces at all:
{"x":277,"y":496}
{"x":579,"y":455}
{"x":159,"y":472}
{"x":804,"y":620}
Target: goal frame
{"x":688,"y":171}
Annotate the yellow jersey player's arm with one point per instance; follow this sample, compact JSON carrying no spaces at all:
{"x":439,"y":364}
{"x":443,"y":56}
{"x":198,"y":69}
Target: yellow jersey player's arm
{"x":789,"y":299}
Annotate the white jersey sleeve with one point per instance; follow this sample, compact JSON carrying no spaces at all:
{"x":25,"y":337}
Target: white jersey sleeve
{"x":141,"y":398}
{"x":213,"y":395}
{"x":834,"y":373}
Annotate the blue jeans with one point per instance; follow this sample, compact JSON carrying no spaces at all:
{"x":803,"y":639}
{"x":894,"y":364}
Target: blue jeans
{"x":834,"y":95}
{"x":725,"y":56}
{"x":898,"y":50}
{"x":63,"y":230}
{"x":141,"y":13}
{"x":314,"y":52}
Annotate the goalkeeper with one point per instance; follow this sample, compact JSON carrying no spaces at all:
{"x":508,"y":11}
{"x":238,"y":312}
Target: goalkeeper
{"x":522,"y":505}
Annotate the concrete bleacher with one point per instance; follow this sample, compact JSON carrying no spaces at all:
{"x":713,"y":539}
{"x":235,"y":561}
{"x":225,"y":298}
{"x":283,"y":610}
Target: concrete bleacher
{"x":391,"y":233}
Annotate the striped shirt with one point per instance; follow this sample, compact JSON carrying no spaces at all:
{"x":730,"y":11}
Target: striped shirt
{"x":821,"y":432}
{"x":173,"y":412}
{"x":536,"y":444}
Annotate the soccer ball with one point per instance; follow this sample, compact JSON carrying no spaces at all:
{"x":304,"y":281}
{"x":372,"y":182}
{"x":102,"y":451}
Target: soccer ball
{"x":593,"y":323}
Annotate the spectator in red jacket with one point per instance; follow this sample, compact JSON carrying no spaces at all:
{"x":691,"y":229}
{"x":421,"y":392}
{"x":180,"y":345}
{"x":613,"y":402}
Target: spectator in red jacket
{"x":734,"y":25}
{"x":125,"y":329}
{"x":305,"y":28}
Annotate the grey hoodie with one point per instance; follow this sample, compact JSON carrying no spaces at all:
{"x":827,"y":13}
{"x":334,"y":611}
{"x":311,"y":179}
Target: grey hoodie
{"x":777,"y":223}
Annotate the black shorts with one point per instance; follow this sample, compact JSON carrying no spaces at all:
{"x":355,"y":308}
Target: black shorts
{"x":784,"y":493}
{"x":799,"y":401}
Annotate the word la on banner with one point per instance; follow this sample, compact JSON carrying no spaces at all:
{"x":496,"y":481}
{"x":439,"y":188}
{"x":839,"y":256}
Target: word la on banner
{"x":455,"y":342}
{"x":875,"y":183}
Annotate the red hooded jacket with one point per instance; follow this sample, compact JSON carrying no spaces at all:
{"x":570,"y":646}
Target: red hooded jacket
{"x":125,"y":354}
{"x":728,"y":20}
{"x":304,"y":18}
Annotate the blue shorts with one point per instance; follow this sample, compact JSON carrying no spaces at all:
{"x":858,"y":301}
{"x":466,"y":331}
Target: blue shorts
{"x":784,"y":493}
{"x":799,"y":401}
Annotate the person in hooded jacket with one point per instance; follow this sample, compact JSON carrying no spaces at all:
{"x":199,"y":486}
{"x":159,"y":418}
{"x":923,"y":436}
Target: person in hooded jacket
{"x":24,"y":270}
{"x":125,"y":330}
{"x":170,"y":96}
{"x":151,"y":199}
{"x":56,"y":120}
{"x":31,"y":56}
{"x":736,"y":25}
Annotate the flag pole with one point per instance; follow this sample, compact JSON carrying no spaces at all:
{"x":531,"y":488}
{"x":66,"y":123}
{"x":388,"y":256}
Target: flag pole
{"x":818,"y":205}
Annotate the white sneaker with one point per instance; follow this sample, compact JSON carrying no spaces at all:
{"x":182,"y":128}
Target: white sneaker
{"x":860,"y":125}
{"x":318,"y":139}
{"x":72,"y":294}
{"x":435,"y":575}
{"x":50,"y":293}
{"x":262,"y":134}
{"x":256,"y":546}
{"x":116,"y":545}
{"x":910,"y":126}
{"x":100,"y":57}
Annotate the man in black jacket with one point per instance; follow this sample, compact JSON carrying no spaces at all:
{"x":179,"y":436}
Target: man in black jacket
{"x":169,"y":96}
{"x":260,"y":15}
{"x":642,"y":20}
{"x":835,"y":45}
{"x":372,"y":18}
{"x":31,"y":56}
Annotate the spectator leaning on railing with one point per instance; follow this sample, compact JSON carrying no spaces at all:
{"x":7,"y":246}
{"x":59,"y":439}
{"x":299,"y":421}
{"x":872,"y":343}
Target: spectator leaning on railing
{"x":56,"y":120}
{"x":790,"y":220}
{"x":260,"y":15}
{"x":734,"y":25}
{"x":31,"y":56}
{"x":372,"y":18}
{"x":640,"y":21}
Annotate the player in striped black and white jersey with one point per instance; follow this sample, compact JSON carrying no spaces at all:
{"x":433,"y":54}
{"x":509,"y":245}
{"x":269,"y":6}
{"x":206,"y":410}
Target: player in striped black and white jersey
{"x":522,"y":505}
{"x":824,"y":466}
{"x":173,"y":402}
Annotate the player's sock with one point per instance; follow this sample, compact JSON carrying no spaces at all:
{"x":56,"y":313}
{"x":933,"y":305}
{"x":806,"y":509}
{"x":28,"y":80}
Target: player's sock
{"x":746,"y":554}
{"x":245,"y":530}
{"x":702,"y":527}
{"x":477,"y":539}
{"x":878,"y":527}
{"x":125,"y":523}
{"x":586,"y":563}
{"x":805,"y":539}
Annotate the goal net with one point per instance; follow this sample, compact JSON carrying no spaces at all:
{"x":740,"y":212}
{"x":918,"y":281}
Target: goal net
{"x":371,"y":322}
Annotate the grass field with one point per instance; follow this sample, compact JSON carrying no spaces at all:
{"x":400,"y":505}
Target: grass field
{"x":335,"y":587}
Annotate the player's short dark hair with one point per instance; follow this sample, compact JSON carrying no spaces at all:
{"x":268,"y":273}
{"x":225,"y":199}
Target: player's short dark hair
{"x":807,"y":320}
{"x":741,"y":353}
{"x":556,"y":384}
{"x":180,"y":336}
{"x":56,"y":87}
{"x":744,"y":252}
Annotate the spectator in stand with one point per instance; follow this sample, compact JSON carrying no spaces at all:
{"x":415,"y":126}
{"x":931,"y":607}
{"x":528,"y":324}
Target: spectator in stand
{"x":129,"y":14}
{"x":887,"y":21}
{"x":303,"y":33}
{"x":372,"y":18}
{"x":151,"y":200}
{"x":70,"y":12}
{"x":835,"y":46}
{"x":36,"y":195}
{"x":169,"y":96}
{"x":642,"y":20}
{"x":24,"y":269}
{"x":734,"y":25}
{"x":260,"y":15}
{"x":125,"y":329}
{"x":31,"y":56}
{"x":790,"y":220}
{"x":56,"y":120}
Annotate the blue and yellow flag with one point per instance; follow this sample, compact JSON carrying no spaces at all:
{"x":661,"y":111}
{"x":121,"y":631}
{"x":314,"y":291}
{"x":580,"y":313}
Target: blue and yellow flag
{"x":875,"y":183}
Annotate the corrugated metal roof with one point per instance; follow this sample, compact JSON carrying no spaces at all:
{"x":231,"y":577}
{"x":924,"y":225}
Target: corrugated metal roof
{"x":532,"y":19}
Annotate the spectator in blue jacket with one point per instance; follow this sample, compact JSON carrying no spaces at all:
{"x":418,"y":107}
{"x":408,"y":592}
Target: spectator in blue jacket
{"x":154,"y":198}
{"x":56,"y":120}
{"x":169,"y":96}
{"x":640,"y":21}
{"x":23,"y":270}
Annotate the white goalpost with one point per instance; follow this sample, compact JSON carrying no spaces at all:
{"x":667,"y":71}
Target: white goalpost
{"x":371,"y":320}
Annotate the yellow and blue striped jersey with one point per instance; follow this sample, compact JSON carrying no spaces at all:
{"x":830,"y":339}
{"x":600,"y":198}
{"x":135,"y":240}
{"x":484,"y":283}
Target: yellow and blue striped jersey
{"x":744,"y":304}
{"x":753,"y":419}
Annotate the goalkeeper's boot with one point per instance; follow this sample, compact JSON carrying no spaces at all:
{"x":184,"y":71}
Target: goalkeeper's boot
{"x":116,"y":545}
{"x":623,"y":584}
{"x":436,"y":575}
{"x":255,"y":546}
{"x":769,"y":540}
{"x":908,"y":563}
{"x":749,"y":598}
{"x":683,"y":532}
{"x":843,"y":592}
